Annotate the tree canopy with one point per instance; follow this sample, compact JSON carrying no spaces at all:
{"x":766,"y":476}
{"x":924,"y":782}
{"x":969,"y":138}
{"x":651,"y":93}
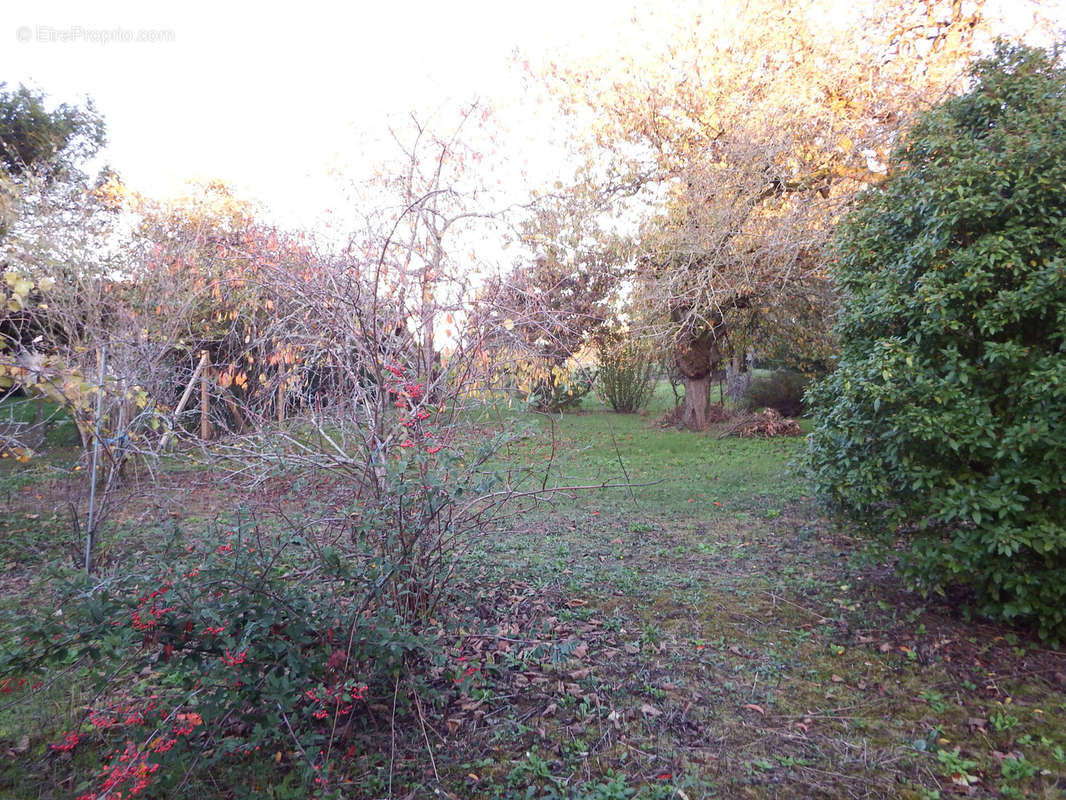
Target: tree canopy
{"x":746,"y":135}
{"x":32,"y":136}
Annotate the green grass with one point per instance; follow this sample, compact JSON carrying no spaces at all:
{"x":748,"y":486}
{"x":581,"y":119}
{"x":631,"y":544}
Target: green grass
{"x":669,"y":469}
{"x":671,"y":466}
{"x":58,"y":431}
{"x":52,"y":436}
{"x":707,"y":634}
{"x":780,"y":658}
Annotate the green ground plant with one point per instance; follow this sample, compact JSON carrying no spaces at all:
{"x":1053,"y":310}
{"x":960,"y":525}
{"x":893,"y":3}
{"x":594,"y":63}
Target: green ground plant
{"x":213,"y":654}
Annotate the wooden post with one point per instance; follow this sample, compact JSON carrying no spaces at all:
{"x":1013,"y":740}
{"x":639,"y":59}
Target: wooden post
{"x":200,"y":367}
{"x":205,"y":399}
{"x":281,"y":397}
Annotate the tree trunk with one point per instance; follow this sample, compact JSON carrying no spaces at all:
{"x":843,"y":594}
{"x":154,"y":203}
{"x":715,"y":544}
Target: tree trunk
{"x":696,"y":359}
{"x":697,"y":402}
{"x":737,"y":379}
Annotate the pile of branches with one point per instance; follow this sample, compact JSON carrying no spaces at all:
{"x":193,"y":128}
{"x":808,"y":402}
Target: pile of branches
{"x":764,"y":424}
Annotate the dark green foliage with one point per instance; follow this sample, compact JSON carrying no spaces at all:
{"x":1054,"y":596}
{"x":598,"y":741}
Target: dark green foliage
{"x":946,"y":415}
{"x":267,"y":660}
{"x":626,"y":372}
{"x":33,"y":136}
{"x":781,"y":390}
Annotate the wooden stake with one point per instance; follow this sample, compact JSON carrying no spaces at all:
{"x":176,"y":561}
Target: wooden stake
{"x":281,"y":399}
{"x":200,"y":367}
{"x":205,"y":399}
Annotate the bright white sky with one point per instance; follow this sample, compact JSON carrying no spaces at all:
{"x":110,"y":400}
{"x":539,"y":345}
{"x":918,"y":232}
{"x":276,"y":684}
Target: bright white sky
{"x":271,"y":99}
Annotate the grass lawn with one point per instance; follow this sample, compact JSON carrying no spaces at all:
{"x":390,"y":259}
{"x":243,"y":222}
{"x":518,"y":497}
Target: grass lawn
{"x":701,"y":633}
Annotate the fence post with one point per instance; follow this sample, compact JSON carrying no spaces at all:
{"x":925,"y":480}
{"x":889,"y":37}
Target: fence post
{"x":281,"y":397}
{"x":205,"y":398}
{"x":90,"y":532}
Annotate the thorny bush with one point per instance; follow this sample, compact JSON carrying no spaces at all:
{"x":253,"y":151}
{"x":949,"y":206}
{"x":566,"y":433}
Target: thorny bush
{"x":233,"y":650}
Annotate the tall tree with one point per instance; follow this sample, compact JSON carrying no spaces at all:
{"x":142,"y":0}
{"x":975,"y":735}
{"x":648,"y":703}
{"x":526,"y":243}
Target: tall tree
{"x":50,"y":143}
{"x":746,"y":134}
{"x":32,"y":136}
{"x":558,"y":296}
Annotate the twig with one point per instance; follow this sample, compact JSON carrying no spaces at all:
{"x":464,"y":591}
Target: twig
{"x":422,"y":723}
{"x":392,"y":731}
{"x":621,"y":464}
{"x":775,"y":598}
{"x":295,"y":739}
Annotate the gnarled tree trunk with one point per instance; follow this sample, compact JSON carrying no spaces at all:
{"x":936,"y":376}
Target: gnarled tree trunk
{"x":696,"y":359}
{"x":696,"y":403}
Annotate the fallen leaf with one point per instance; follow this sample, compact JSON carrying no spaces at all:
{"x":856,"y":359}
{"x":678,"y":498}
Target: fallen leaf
{"x":753,"y":707}
{"x":650,"y":710}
